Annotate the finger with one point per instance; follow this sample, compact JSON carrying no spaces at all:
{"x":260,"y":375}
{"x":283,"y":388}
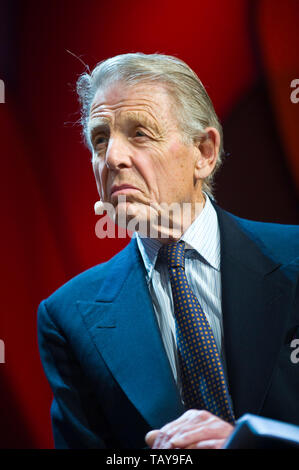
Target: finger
{"x":180,"y":425}
{"x":187,"y":437}
{"x":208,"y":444}
{"x":164,"y":433}
{"x":213,"y":428}
{"x":187,"y":420}
{"x":151,"y":437}
{"x":186,"y":431}
{"x":162,"y":441}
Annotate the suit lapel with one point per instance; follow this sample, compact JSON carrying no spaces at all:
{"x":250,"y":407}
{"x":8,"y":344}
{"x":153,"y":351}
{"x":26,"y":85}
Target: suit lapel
{"x":123,"y":326}
{"x":256,"y":296}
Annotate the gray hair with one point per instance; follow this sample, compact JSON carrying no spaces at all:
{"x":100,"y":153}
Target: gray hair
{"x":195,"y":108}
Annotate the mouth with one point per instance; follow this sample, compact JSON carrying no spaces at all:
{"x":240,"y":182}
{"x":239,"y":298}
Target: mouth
{"x":122,"y":189}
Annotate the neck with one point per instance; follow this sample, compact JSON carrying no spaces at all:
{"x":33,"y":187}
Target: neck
{"x":174,"y":222}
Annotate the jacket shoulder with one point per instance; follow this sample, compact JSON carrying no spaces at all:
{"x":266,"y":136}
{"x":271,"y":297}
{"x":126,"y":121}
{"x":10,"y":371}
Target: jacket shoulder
{"x":85,"y":285}
{"x":280,"y":239}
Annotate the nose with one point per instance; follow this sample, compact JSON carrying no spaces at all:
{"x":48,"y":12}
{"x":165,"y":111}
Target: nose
{"x":118,"y":154}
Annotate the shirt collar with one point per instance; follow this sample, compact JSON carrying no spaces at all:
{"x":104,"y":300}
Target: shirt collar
{"x":203,"y":236}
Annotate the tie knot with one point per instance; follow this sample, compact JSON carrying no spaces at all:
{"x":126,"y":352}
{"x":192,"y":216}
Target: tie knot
{"x":173,"y":254}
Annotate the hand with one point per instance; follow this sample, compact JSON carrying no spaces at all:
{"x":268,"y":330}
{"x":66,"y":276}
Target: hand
{"x":195,"y":429}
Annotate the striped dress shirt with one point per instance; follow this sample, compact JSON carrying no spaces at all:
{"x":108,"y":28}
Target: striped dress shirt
{"x":202,"y":267}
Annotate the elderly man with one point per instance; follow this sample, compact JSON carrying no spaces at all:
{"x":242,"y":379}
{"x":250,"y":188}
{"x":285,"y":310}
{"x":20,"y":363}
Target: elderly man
{"x":183,"y":331}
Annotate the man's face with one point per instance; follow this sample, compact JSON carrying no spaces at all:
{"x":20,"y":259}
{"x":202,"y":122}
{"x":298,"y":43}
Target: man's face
{"x":137,"y":147}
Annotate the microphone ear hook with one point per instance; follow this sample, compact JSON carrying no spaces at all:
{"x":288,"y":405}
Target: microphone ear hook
{"x":99,"y":208}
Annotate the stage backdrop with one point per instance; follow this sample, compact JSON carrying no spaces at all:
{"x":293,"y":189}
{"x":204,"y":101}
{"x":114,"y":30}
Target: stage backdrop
{"x":245,"y":52}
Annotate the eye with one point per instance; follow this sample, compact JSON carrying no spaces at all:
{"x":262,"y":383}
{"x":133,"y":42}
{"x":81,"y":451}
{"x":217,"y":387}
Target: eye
{"x":100,"y":141}
{"x":140,"y":133}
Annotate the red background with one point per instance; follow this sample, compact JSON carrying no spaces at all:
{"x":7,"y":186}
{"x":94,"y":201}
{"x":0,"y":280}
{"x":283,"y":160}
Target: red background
{"x":245,"y":53}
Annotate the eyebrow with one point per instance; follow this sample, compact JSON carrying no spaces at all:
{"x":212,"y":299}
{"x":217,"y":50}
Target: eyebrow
{"x":143,"y":119}
{"x":96,"y":124}
{"x":102,"y":123}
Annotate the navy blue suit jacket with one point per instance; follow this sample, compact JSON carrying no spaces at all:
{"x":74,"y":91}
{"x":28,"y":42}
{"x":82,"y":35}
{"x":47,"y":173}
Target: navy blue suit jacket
{"x":103,"y":354}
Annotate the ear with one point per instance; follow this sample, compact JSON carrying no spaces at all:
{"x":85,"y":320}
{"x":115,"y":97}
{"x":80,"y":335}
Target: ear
{"x":207,"y":150}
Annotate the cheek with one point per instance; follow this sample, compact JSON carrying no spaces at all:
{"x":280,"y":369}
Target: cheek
{"x":100,"y":173}
{"x":175,"y":149}
{"x":147,"y":167}
{"x":182,"y":162}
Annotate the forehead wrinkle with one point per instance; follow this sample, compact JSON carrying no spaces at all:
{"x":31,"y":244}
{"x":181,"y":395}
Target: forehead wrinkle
{"x":105,"y":107}
{"x":148,"y":103}
{"x":135,"y":101}
{"x":103,"y":117}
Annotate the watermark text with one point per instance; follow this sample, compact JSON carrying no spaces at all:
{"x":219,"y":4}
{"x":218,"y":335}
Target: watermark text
{"x":2,"y":352}
{"x":295,"y":93}
{"x":153,"y":220}
{"x":2,"y":92}
{"x":295,"y":353}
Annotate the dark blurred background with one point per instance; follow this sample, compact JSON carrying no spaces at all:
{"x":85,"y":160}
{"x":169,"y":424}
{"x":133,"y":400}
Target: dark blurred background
{"x":246,"y":54}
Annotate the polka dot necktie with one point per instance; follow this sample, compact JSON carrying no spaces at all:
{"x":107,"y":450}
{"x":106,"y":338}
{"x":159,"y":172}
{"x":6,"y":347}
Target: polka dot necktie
{"x":203,"y":381}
